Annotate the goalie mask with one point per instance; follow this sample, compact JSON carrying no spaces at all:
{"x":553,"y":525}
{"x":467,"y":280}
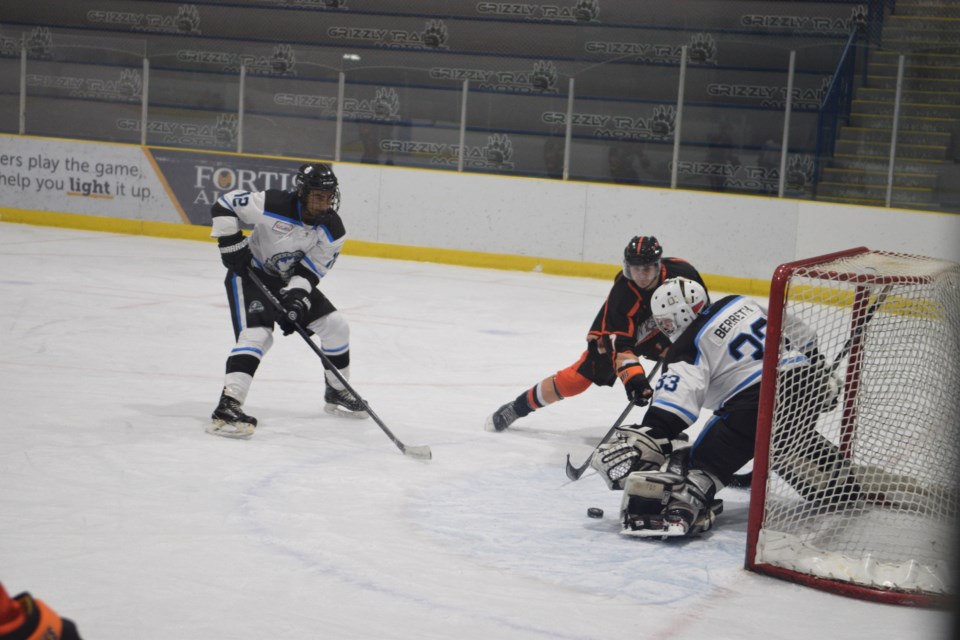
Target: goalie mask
{"x":641,"y":261}
{"x":318,"y":190}
{"x":675,"y":304}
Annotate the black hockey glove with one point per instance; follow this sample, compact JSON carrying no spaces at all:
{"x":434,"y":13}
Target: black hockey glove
{"x":634,"y":380}
{"x":235,"y":252}
{"x":296,"y":304}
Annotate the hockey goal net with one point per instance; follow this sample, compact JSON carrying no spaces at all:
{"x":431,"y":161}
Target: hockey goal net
{"x":855,"y":472}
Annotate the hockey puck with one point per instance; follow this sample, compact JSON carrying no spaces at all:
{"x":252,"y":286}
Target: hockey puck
{"x":595,"y":512}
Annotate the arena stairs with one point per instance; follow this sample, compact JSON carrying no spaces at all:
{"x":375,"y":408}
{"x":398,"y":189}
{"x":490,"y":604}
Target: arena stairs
{"x":926,"y":166}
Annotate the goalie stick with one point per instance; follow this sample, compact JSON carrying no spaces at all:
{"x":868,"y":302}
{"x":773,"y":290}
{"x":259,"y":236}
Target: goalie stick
{"x":744,"y":480}
{"x":420,"y":452}
{"x":574,"y":473}
{"x":858,"y":331}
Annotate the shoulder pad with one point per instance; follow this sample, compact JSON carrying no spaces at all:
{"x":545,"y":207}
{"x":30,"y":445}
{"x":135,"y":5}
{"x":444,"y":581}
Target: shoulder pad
{"x":281,"y":203}
{"x":334,"y":225}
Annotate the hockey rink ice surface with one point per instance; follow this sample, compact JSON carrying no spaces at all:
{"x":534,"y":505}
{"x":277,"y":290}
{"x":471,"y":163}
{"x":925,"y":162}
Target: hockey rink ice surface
{"x":119,"y":511}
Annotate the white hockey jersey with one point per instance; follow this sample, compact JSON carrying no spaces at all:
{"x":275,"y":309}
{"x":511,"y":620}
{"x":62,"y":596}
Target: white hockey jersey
{"x":719,"y":355}
{"x":280,"y":241}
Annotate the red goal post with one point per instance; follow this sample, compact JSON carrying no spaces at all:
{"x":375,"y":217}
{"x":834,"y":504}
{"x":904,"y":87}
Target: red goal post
{"x":859,"y":496}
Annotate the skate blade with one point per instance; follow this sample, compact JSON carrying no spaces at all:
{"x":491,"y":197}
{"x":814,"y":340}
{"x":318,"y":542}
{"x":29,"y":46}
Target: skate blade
{"x":337,"y":410}
{"x":237,"y":431}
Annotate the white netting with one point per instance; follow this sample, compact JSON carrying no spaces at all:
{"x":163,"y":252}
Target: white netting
{"x":863,"y":483}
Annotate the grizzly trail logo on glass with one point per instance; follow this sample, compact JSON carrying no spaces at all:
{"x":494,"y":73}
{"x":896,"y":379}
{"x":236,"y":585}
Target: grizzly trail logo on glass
{"x":661,"y":124}
{"x":186,"y":20}
{"x":433,"y":36}
{"x":222,"y":134}
{"x":385,"y":105}
{"x":541,"y":79}
{"x":496,"y":154}
{"x":282,"y":61}
{"x":702,"y":49}
{"x":127,"y":87}
{"x":579,"y":11}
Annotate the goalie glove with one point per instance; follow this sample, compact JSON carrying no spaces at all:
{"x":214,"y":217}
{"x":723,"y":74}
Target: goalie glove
{"x":633,"y":448}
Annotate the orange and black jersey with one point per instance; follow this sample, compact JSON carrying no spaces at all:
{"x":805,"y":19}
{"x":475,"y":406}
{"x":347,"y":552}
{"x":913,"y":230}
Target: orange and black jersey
{"x":624,"y":322}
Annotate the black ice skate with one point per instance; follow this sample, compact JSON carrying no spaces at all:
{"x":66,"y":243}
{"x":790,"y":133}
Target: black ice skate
{"x":229,"y":420}
{"x":342,"y":403}
{"x":501,"y":418}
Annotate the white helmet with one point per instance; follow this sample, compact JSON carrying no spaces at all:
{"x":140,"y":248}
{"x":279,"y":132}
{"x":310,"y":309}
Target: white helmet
{"x":675,"y":304}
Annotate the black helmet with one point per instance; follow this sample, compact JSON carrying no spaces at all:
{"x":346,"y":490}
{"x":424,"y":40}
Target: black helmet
{"x":642,"y":250}
{"x":317,"y":176}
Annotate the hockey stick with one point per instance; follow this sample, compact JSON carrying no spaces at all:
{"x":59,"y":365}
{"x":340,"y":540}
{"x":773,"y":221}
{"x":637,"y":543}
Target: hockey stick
{"x":574,"y":473}
{"x":858,"y":331}
{"x":421,"y":452}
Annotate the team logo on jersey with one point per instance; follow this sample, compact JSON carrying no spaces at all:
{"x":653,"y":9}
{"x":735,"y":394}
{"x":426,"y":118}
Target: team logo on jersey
{"x":255,"y":306}
{"x":282,"y":263}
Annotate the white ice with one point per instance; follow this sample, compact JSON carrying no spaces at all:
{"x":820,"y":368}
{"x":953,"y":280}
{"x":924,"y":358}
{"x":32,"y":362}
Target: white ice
{"x":118,"y":510}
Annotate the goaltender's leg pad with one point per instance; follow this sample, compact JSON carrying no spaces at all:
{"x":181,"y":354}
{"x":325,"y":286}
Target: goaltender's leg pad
{"x":663,"y":504}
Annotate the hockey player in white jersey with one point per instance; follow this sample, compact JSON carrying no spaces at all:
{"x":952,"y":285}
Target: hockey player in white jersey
{"x":714,"y":363}
{"x":296,"y":239}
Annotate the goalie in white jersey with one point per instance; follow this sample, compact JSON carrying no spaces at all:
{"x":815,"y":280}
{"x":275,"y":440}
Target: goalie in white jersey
{"x":714,"y":363}
{"x":296,"y":239}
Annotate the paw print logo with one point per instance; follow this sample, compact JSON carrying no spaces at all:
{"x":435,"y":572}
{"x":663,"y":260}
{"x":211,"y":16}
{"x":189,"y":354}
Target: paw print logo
{"x":799,"y":171}
{"x":225,"y":128}
{"x":702,"y":48}
{"x":39,"y":42}
{"x":586,"y":10}
{"x":435,"y":34}
{"x":283,"y":59}
{"x":499,"y":149}
{"x":130,"y":84}
{"x":663,"y":122}
{"x":187,"y":19}
{"x":386,"y":103}
{"x":544,"y":76}
{"x":858,"y":16}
